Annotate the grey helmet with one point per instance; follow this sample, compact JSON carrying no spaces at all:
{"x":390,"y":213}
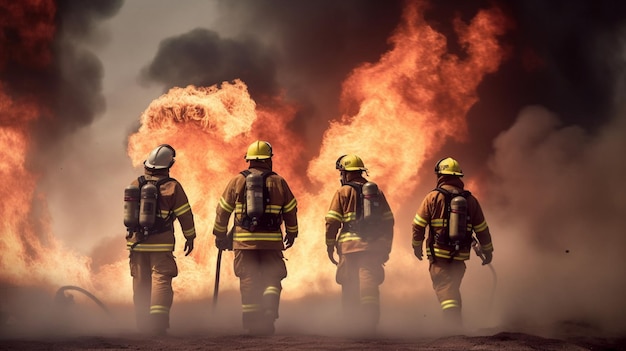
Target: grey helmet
{"x":161,"y":157}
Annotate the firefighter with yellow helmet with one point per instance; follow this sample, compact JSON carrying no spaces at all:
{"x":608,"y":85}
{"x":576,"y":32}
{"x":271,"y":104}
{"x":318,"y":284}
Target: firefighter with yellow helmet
{"x":152,"y":203}
{"x":262,"y":202}
{"x":451,"y":214}
{"x":359,"y":225}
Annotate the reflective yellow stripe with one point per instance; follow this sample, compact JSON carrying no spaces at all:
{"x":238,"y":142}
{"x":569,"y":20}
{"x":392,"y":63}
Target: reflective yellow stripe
{"x":291,"y":228}
{"x":150,"y":247}
{"x":350,"y":216}
{"x":189,"y":232}
{"x":273,"y":209}
{"x":487,"y":247}
{"x":271,"y":290}
{"x":258,"y":236}
{"x":330,"y":242}
{"x":417,"y":243}
{"x":438,"y":223}
{"x":163,"y":213}
{"x":219,"y":228}
{"x":369,"y":300}
{"x":420,"y":221}
{"x":348,"y":236}
{"x":388,"y":215}
{"x":159,"y":309}
{"x":182,"y":209}
{"x":334,"y":215}
{"x":251,"y":308}
{"x":225,"y":205}
{"x":481,"y":227}
{"x":460,"y":256}
{"x":290,"y":206}
{"x":449,"y":304}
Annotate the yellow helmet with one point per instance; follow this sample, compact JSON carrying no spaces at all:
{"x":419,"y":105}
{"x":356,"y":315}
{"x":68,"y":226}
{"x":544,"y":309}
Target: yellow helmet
{"x":350,"y":163}
{"x":259,"y":150}
{"x":448,"y":166}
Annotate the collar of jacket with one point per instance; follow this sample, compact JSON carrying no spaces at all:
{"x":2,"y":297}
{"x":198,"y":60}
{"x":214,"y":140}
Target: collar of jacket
{"x":356,"y":176}
{"x":450,"y":180}
{"x":262,"y":166}
{"x":157,"y":172}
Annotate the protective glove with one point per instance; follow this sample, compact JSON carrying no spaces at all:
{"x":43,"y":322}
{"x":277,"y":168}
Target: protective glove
{"x":289,"y":240}
{"x":417,"y":251}
{"x":223,"y":243}
{"x":331,"y":254}
{"x":188,"y":246}
{"x":488,"y":257}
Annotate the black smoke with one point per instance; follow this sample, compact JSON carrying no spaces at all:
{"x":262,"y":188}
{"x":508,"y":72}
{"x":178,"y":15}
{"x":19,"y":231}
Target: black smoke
{"x":564,"y":55}
{"x":306,"y":48}
{"x":202,"y":58}
{"x":67,"y":89}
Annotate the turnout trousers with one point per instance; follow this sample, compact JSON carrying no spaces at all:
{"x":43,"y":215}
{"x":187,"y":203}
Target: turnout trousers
{"x":152,"y":274}
{"x":260,"y":273}
{"x":446,"y":276}
{"x":360,"y":274}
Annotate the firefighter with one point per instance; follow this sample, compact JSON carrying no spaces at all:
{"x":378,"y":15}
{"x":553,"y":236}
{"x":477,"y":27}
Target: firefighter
{"x":362,"y":243}
{"x":152,"y":263}
{"x":257,"y":238}
{"x":447,"y":256}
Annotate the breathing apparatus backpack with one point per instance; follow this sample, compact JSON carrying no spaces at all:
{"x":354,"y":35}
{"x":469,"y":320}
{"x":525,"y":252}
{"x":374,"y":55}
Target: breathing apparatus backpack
{"x":141,"y":205}
{"x":255,"y":198}
{"x":369,"y":209}
{"x":455,"y":231}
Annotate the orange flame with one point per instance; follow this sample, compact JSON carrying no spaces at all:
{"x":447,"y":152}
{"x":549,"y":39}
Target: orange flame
{"x":397,"y":111}
{"x":407,"y":105}
{"x":31,"y":254}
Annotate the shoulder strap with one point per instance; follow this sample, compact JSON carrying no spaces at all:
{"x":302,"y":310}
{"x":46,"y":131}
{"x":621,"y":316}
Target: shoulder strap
{"x":359,"y":191}
{"x":443,"y":191}
{"x":163,"y":181}
{"x":142,"y":181}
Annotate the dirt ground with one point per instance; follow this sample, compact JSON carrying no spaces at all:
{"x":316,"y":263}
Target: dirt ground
{"x":498,"y":341}
{"x":303,"y":325}
{"x":197,"y":327}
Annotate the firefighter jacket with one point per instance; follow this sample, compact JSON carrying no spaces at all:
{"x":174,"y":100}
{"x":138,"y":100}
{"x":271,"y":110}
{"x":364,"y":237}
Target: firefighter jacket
{"x":281,"y":208}
{"x":345,"y":216}
{"x":173,"y":204}
{"x":432,"y":213}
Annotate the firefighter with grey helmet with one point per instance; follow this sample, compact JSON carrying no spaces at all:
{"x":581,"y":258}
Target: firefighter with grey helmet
{"x":263,"y":204}
{"x":359,"y":226}
{"x":152,"y":203}
{"x":451,"y":215}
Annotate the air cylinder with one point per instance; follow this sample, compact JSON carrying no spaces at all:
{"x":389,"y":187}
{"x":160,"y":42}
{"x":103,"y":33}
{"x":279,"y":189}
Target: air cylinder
{"x":131,"y":207}
{"x":254,"y":197}
{"x":148,"y":205}
{"x":371,"y":201}
{"x":458,"y":219}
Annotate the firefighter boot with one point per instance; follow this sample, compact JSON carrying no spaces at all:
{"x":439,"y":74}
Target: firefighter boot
{"x":453,"y":321}
{"x":159,"y":323}
{"x":370,"y":317}
{"x":270,"y":302}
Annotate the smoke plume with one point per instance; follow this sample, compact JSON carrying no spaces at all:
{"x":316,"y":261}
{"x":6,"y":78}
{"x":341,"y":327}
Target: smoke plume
{"x":541,"y":146}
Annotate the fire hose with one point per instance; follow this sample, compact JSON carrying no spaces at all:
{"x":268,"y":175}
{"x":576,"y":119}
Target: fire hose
{"x":63,"y":299}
